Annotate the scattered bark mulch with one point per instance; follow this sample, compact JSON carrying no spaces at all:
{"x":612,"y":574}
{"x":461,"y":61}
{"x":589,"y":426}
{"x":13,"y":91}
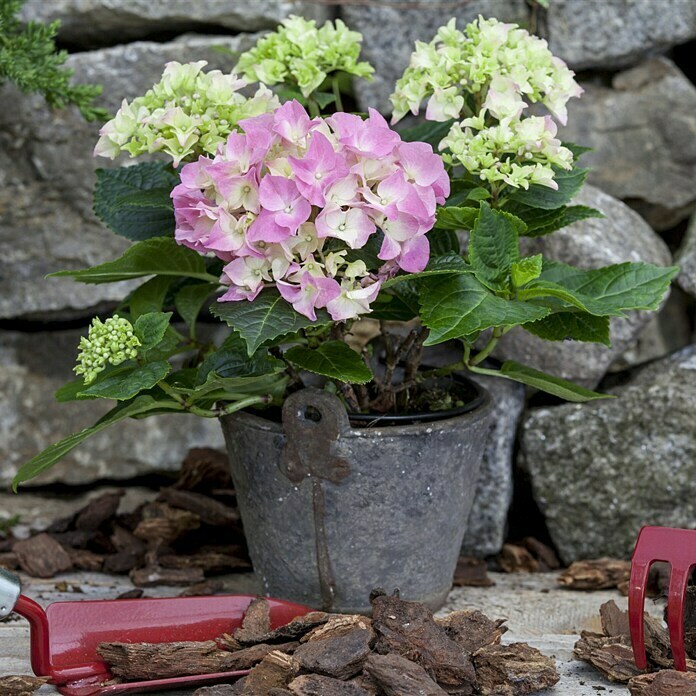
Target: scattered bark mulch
{"x":21,"y":685}
{"x":402,"y":650}
{"x":610,"y":652}
{"x":190,"y":532}
{"x":528,"y":556}
{"x":599,"y":574}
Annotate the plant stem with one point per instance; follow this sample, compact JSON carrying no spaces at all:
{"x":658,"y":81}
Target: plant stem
{"x":244,"y":403}
{"x":171,"y":392}
{"x":314,"y":109}
{"x":336,"y":93}
{"x":498,"y":333}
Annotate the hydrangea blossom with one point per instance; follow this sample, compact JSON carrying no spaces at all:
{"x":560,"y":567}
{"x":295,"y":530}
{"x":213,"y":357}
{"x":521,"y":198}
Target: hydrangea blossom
{"x":501,"y":64}
{"x":110,"y":342}
{"x":300,"y":52}
{"x":189,"y":112}
{"x":287,"y":202}
{"x":490,"y":73}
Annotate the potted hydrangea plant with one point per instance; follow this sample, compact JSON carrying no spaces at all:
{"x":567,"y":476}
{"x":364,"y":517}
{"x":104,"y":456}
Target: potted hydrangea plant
{"x":291,"y":221}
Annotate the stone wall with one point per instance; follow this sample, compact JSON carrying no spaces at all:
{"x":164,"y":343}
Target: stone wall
{"x":639,"y":115}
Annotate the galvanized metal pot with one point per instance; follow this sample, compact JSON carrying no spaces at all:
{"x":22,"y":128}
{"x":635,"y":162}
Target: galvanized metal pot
{"x":331,"y":512}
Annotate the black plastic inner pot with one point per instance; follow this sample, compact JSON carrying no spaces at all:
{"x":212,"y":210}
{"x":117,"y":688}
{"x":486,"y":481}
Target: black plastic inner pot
{"x":467,"y":391}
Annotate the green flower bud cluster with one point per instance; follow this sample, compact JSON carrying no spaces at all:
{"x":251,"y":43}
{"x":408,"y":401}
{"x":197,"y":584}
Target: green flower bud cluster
{"x":298,"y":52}
{"x":110,"y":342}
{"x":187,"y":114}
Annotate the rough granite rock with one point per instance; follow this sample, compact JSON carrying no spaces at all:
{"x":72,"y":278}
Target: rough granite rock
{"x":614,"y":33}
{"x":622,"y":235}
{"x":643,"y":133}
{"x":641,"y":448}
{"x":487,"y":526}
{"x":32,"y":367}
{"x":96,"y":22}
{"x":686,"y":258}
{"x":389,"y":51}
{"x":47,"y":176}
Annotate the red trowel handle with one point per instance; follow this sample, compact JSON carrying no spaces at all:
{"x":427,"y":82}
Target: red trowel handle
{"x":11,"y":600}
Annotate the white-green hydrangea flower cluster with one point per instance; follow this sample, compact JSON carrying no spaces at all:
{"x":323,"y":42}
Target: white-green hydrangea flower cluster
{"x":299,"y":52}
{"x":189,"y":112}
{"x":111,"y":342}
{"x":518,"y":153}
{"x":488,"y":75}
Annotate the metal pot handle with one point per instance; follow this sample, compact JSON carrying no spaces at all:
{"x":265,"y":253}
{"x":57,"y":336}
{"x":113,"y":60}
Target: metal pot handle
{"x":10,"y":589}
{"x":313,"y":421}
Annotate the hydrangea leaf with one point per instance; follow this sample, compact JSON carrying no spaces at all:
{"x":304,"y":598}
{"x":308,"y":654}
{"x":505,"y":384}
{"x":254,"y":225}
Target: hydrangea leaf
{"x":150,"y":296}
{"x":526,"y":270}
{"x":125,"y":385}
{"x":608,"y":291}
{"x":398,"y":303}
{"x":537,"y":196}
{"x":158,"y":256}
{"x":190,"y":300}
{"x":541,"y":222}
{"x":456,"y":218}
{"x":439,"y":265}
{"x":150,"y":329}
{"x":431,"y":132}
{"x":573,"y":326}
{"x":266,"y":318}
{"x":140,"y":406}
{"x":548,"y":383}
{"x":494,"y":246}
{"x":443,"y":242}
{"x":135,"y":202}
{"x":453,"y":306}
{"x":333,"y":359}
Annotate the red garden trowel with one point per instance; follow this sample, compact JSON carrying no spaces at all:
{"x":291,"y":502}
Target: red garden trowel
{"x":678,"y":548}
{"x":65,"y":637}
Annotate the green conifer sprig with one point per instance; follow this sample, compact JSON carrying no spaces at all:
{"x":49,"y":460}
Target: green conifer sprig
{"x":29,"y":59}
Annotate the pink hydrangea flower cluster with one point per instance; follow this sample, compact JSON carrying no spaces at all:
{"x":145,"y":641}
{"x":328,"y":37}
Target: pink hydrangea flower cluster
{"x":284,"y":202}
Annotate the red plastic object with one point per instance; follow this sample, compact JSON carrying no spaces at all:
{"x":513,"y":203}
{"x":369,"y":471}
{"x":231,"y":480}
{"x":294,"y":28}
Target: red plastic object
{"x":65,"y":637}
{"x":678,"y":548}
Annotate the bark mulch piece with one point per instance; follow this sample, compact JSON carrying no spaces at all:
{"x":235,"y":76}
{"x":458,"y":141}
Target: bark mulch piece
{"x":83,"y":559}
{"x":276,"y":670}
{"x":256,"y":622}
{"x":219,"y":690}
{"x":545,"y":555}
{"x":98,"y":511}
{"x":163,"y":524}
{"x":517,"y":559}
{"x":509,"y":670}
{"x":338,"y":653}
{"x":318,"y":685}
{"x":9,"y":560}
{"x":397,"y":676}
{"x":472,"y":629}
{"x":20,"y":685}
{"x":42,"y":556}
{"x":599,"y":574}
{"x":203,"y":589}
{"x":471,"y":572}
{"x":210,"y":562}
{"x":204,"y":469}
{"x":409,"y":629}
{"x":664,"y":683}
{"x":209,"y":511}
{"x":132,"y":594}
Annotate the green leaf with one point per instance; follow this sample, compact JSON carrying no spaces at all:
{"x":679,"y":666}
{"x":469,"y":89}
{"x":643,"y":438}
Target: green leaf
{"x":332,"y":359}
{"x":608,"y":291}
{"x":548,"y":383}
{"x":572,"y":326}
{"x":440,"y":265}
{"x":125,"y":386}
{"x":459,"y":305}
{"x":526,"y":269}
{"x":541,"y":222}
{"x":398,"y":303}
{"x":577,"y":150}
{"x":216,"y":388}
{"x":569,"y":183}
{"x":323,"y":99}
{"x":456,"y":218}
{"x":431,"y":132}
{"x":149,"y":297}
{"x":135,"y":201}
{"x":494,"y":246}
{"x":150,"y":329}
{"x":140,"y":406}
{"x":190,"y":300}
{"x":74,"y":390}
{"x":443,"y":242}
{"x":158,"y":256}
{"x":266,"y":318}
{"x":232,"y":360}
